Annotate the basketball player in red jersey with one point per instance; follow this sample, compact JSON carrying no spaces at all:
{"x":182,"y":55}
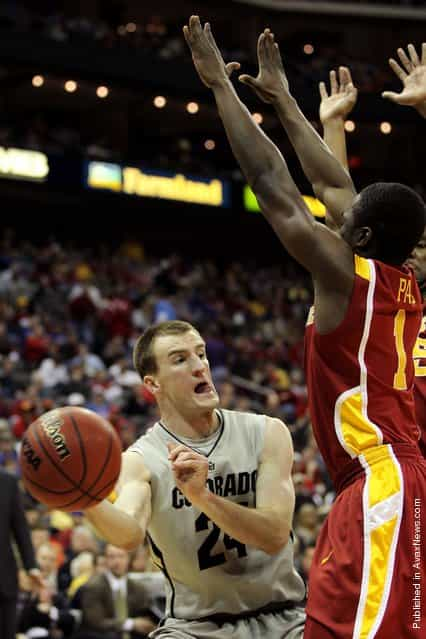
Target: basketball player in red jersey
{"x":334,"y":108}
{"x":412,"y":73}
{"x":367,"y":577}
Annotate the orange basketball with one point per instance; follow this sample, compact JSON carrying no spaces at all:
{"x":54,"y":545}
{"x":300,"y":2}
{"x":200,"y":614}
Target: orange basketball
{"x":70,"y":458}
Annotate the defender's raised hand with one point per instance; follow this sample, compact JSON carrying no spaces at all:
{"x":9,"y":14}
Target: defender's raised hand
{"x":207,"y":58}
{"x":342,"y":98}
{"x":412,"y":74}
{"x":271,"y":80}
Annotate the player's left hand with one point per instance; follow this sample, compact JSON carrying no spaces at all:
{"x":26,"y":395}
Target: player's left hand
{"x":207,"y":58}
{"x":271,"y":81}
{"x":342,"y":98}
{"x":190,"y":470}
{"x":412,"y":74}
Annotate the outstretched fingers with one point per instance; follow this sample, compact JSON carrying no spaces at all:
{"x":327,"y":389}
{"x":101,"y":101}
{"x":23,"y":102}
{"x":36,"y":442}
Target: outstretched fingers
{"x":345,"y":78}
{"x":413,"y":55}
{"x":405,"y":60}
{"x":209,"y":35}
{"x":397,"y":69}
{"x":334,"y":88}
{"x":323,"y":91}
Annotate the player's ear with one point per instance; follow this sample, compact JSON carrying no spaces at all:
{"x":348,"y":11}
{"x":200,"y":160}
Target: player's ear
{"x":362,"y":236}
{"x":151,"y":383}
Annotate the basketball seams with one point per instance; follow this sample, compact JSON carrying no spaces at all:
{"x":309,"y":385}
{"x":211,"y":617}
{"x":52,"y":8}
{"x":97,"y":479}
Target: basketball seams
{"x":105,"y":464}
{"x":57,"y":467}
{"x":82,"y":449}
{"x":77,"y":471}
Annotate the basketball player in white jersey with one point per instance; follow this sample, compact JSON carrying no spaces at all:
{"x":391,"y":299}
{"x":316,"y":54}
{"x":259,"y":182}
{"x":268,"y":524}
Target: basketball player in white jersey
{"x":212,"y":491}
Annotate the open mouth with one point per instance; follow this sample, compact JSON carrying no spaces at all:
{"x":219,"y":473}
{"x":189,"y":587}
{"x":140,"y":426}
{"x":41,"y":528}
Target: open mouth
{"x":203,"y":388}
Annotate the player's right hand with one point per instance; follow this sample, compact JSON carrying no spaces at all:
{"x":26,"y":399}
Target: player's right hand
{"x":206,"y":56}
{"x":190,"y":470}
{"x":412,"y":74}
{"x":342,"y":98}
{"x":271,"y":81}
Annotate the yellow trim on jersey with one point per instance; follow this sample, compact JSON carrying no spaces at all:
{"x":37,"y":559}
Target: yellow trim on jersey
{"x":362,"y":267}
{"x":357,"y":433}
{"x":382,"y":506}
{"x":384,"y":479}
{"x":382,"y":497}
{"x":419,"y":352}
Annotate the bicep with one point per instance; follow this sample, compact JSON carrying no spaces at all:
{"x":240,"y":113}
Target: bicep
{"x":336,"y":201}
{"x":274,"y":487}
{"x":134,"y":488}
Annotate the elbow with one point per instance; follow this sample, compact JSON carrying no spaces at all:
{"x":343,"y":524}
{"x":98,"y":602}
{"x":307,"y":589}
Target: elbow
{"x":133,"y":541}
{"x":277,"y":542}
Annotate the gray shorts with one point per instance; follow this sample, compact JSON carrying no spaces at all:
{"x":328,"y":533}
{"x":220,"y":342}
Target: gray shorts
{"x":288,"y":624}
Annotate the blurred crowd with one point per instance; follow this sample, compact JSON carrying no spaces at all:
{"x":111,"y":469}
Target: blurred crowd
{"x":161,"y":37}
{"x":69,"y":318}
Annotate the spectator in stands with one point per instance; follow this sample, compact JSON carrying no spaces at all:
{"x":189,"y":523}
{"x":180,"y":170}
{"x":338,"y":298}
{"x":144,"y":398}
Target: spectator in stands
{"x":82,"y":568}
{"x":13,"y":526}
{"x":113,"y":604}
{"x":306,"y":561}
{"x":82,"y":539}
{"x":307,"y":524}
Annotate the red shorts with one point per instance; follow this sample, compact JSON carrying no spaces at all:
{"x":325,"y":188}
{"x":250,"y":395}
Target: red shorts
{"x":368,"y":575}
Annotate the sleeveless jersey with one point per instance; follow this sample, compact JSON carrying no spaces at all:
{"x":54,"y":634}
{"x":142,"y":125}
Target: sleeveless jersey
{"x":207,"y":572}
{"x":360,"y":376}
{"x":420,"y":382}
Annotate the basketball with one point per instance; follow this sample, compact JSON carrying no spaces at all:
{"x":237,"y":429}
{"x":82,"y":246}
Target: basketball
{"x":70,"y":458}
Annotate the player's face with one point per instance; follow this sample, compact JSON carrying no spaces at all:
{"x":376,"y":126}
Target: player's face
{"x":183,"y":377}
{"x":117,"y":561}
{"x":417,"y":259}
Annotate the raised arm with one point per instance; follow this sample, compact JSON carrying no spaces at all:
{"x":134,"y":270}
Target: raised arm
{"x":331,"y":182}
{"x":324,"y":254}
{"x":124,"y":522}
{"x":267,"y":526}
{"x":334,"y":109}
{"x":412,"y":74}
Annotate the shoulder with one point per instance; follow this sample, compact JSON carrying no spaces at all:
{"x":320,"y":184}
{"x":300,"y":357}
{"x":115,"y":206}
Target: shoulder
{"x":97,"y":582}
{"x":243,"y":418}
{"x":277,"y":438}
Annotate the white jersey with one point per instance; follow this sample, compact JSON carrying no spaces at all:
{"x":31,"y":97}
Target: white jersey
{"x":207,"y":572}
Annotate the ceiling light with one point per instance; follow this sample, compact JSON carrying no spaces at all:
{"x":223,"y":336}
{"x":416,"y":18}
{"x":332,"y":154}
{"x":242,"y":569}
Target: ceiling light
{"x":102,"y":92}
{"x":70,"y":86}
{"x":160,"y":101}
{"x":37,"y":81}
{"x":192,"y":107}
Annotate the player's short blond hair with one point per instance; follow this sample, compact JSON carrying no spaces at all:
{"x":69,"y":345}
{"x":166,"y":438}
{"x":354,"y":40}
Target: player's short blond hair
{"x":143,"y":353}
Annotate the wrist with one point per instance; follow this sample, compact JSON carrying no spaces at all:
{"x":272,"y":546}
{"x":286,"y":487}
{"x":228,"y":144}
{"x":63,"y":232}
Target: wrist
{"x":334,"y":122}
{"x":284,"y":101}
{"x":200,"y":499}
{"x":220,"y":84}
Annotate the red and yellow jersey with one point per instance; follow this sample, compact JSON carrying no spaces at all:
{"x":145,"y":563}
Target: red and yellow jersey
{"x":419,"y":355}
{"x":360,"y":376}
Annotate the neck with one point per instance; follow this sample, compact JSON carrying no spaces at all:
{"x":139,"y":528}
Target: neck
{"x":192,"y":427}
